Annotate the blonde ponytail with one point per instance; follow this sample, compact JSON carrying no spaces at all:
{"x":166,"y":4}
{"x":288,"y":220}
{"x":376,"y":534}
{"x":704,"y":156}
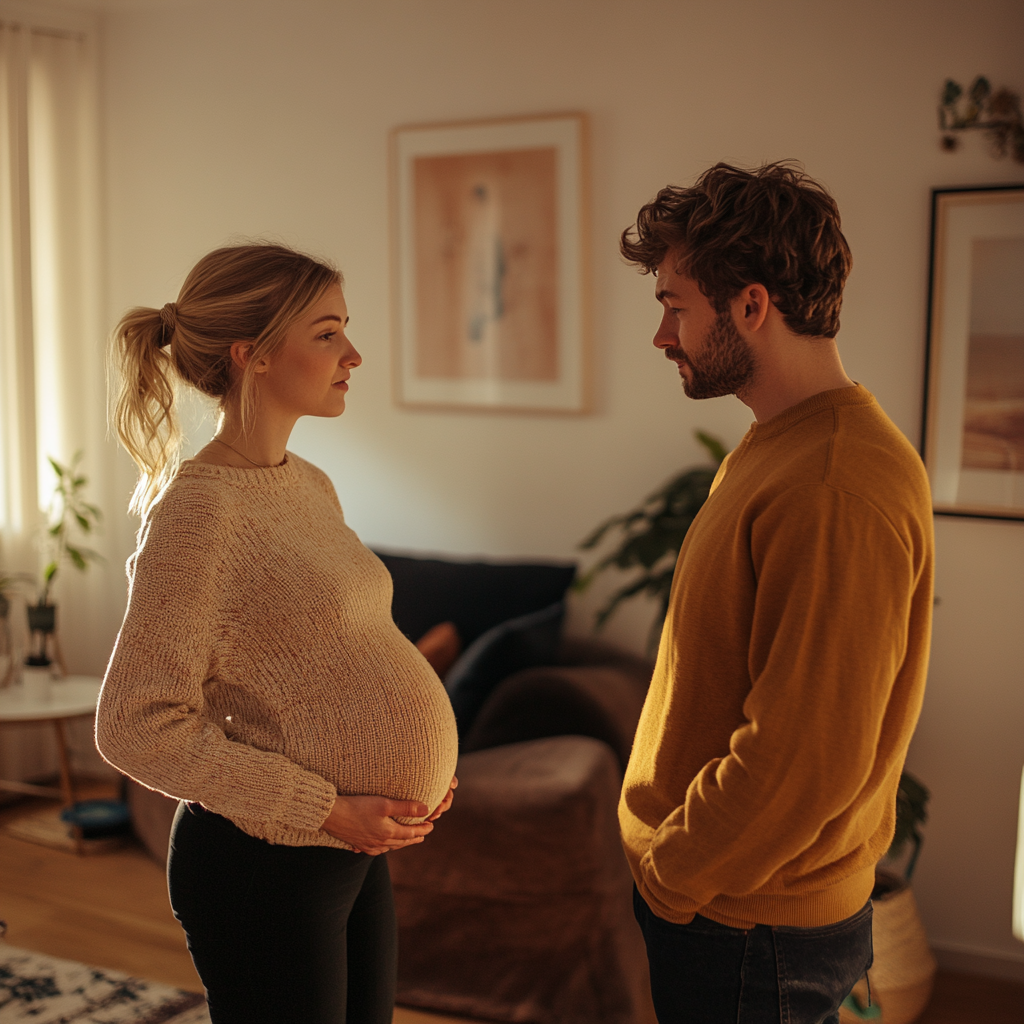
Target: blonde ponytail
{"x":144,"y":415}
{"x":250,"y":293}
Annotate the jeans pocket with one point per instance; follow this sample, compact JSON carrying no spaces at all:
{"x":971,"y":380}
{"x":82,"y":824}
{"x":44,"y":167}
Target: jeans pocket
{"x":819,"y":966}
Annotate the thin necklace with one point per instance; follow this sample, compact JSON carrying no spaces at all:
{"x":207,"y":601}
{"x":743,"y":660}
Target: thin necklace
{"x":237,"y":452}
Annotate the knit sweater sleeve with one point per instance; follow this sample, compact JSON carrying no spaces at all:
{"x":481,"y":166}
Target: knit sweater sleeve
{"x":151,"y":722}
{"x":828,"y":637}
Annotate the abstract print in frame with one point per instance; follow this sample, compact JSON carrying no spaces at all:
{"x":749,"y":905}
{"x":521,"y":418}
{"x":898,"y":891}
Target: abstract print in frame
{"x":974,"y":399}
{"x":489,"y":223}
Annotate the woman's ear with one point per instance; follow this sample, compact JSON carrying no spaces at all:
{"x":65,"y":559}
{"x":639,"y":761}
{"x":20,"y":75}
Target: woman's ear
{"x":241,"y":352}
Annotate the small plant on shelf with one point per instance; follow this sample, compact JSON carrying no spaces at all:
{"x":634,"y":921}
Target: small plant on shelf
{"x":995,"y":112}
{"x":68,"y":511}
{"x":69,"y":514}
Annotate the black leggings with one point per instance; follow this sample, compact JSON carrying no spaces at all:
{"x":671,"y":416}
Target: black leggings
{"x":281,"y":934}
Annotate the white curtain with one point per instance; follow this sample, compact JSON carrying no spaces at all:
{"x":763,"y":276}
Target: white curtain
{"x":51,"y":336}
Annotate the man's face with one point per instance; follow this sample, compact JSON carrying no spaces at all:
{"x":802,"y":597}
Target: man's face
{"x":712,"y":356}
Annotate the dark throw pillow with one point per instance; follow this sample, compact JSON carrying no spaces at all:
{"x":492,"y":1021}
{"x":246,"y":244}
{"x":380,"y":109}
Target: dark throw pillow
{"x":511,"y":646}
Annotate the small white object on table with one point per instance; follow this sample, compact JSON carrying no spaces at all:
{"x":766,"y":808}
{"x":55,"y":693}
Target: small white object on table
{"x":71,"y":697}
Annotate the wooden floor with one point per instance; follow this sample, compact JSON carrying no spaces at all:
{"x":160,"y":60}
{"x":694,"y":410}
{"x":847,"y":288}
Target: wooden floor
{"x":111,"y":910}
{"x":108,"y":910}
{"x":969,"y":999}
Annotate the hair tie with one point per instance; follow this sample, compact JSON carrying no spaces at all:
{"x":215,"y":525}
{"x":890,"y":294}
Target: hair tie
{"x":169,"y":317}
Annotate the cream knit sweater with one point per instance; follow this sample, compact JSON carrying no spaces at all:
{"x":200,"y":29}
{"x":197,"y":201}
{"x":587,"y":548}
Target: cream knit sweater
{"x":258,"y":670}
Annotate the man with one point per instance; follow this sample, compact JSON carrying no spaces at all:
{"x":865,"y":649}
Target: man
{"x":762,"y":785}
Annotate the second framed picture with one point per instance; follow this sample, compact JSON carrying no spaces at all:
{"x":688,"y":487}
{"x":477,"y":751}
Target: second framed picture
{"x":974,"y":400}
{"x":489,"y":222}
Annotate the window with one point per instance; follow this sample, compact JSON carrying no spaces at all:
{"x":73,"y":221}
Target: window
{"x":51,"y":383}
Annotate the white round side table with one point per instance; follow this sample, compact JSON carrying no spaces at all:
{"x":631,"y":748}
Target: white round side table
{"x":71,"y":697}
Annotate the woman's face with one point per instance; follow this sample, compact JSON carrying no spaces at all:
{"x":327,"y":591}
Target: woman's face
{"x":308,"y":375}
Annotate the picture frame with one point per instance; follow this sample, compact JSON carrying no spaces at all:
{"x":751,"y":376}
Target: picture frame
{"x":973,"y":416}
{"x":489,"y":241}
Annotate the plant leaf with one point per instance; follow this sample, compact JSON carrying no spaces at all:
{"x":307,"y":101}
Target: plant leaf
{"x":76,"y":556}
{"x":980,"y":90}
{"x":951,"y":92}
{"x":911,"y":810}
{"x":715,"y":448}
{"x":49,"y":572}
{"x":594,"y":538}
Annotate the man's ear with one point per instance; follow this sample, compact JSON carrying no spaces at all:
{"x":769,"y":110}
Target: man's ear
{"x":750,"y":307}
{"x":241,"y":352}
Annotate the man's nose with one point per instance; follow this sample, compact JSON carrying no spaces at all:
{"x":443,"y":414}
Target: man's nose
{"x":665,"y":337}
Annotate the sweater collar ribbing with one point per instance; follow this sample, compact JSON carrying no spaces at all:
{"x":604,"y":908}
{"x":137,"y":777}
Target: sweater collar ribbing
{"x":857,"y":395}
{"x":262,"y":478}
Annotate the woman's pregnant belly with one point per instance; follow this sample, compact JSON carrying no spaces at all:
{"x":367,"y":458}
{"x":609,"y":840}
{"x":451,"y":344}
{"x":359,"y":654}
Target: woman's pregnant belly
{"x":391,"y":731}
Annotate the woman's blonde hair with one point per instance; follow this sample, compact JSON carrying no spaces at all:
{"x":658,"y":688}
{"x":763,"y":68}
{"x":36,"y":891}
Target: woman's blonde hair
{"x":250,"y":293}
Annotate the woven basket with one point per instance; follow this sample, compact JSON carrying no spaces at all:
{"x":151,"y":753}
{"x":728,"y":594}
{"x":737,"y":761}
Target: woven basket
{"x":904,"y":969}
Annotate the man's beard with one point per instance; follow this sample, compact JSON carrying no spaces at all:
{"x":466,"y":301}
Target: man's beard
{"x":725,"y":366}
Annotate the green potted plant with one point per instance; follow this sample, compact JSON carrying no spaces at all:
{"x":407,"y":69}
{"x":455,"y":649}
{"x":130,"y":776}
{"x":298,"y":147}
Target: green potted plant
{"x":68,"y":513}
{"x":650,"y":537}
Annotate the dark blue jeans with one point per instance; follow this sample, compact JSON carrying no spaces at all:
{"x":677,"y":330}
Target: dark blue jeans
{"x":282,"y":934}
{"x":706,"y":973}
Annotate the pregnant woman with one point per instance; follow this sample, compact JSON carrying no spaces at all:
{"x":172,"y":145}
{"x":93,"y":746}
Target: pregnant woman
{"x":258,"y":675}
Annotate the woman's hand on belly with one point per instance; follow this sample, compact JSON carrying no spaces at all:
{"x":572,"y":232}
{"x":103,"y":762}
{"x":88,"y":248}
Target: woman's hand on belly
{"x":367,"y":823}
{"x":446,"y":802}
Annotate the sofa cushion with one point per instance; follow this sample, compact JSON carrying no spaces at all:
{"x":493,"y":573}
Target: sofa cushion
{"x":473,"y":595}
{"x":600,"y":701}
{"x":509,"y":647}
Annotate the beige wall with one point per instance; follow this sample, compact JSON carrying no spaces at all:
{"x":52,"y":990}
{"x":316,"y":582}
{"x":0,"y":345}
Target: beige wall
{"x":272,"y":119}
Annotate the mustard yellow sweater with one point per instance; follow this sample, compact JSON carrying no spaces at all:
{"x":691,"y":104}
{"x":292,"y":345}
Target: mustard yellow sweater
{"x":762,"y":784}
{"x":258,"y":670}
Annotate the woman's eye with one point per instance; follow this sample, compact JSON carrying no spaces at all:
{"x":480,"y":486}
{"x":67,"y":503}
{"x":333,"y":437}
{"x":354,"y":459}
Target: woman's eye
{"x":327,"y":335}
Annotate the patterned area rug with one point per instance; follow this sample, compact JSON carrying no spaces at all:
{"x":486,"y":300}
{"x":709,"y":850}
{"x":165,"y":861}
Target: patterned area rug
{"x":37,"y":989}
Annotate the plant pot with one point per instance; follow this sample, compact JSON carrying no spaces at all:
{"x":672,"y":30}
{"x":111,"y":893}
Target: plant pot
{"x":903,"y":973}
{"x":45,"y":649}
{"x":42,"y":618}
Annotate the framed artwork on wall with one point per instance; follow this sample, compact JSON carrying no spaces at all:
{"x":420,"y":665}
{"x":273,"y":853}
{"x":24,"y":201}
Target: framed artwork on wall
{"x":974,"y":396}
{"x":489,"y":278}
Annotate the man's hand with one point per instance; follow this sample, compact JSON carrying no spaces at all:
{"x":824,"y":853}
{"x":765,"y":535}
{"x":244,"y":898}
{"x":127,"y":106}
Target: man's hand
{"x":446,"y":802}
{"x":367,"y":823}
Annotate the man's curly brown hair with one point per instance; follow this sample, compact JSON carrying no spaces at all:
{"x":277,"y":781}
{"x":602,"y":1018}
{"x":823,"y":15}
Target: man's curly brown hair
{"x":774,"y":226}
